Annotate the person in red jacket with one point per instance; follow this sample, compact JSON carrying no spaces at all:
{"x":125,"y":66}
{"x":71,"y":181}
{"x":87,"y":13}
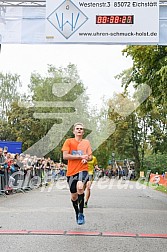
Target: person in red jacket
{"x":78,"y":152}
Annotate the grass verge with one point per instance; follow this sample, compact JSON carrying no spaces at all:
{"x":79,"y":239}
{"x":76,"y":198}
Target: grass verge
{"x":154,"y":186}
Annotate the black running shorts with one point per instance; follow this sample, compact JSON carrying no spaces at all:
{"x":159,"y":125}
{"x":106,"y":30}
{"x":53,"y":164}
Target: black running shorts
{"x":72,"y":180}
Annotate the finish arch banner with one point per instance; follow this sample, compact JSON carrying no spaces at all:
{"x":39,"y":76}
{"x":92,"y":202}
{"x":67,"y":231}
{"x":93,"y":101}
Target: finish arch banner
{"x":102,"y":21}
{"x":83,"y":22}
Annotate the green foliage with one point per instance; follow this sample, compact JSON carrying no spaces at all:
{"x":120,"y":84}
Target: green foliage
{"x":23,"y":126}
{"x":8,"y":92}
{"x":149,"y":120}
{"x":149,"y":66}
{"x":46,"y":90}
{"x":161,"y":188}
{"x":156,"y":163}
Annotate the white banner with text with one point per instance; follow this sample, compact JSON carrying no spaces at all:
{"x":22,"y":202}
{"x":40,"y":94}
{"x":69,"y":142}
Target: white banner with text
{"x":83,"y":22}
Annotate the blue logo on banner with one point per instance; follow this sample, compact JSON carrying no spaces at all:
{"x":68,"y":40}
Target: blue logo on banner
{"x":67,"y":18}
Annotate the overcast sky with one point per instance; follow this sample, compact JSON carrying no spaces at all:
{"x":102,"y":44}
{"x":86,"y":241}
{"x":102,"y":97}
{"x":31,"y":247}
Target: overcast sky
{"x":97,"y":64}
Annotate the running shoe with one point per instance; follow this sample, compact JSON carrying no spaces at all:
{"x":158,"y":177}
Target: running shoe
{"x":81,"y":219}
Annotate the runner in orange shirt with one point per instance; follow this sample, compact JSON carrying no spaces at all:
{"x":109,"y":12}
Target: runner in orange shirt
{"x":78,"y":152}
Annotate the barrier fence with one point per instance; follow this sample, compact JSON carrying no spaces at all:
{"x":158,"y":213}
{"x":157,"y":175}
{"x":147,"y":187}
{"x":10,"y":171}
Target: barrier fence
{"x":27,"y":179}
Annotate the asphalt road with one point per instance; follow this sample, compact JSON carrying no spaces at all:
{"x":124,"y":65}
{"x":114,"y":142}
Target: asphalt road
{"x":122,"y":216}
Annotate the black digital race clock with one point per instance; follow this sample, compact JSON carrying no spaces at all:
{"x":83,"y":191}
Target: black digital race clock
{"x":115,"y":19}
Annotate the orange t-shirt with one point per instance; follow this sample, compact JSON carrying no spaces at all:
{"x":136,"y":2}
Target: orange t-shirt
{"x":74,"y":148}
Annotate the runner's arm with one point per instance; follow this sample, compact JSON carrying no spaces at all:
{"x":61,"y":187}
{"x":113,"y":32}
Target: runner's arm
{"x":68,"y":156}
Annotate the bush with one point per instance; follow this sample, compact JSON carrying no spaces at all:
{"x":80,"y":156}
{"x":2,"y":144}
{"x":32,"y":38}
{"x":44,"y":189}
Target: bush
{"x":156,"y":163}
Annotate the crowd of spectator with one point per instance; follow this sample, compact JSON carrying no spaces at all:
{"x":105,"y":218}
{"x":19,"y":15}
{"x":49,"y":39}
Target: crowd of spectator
{"x":121,"y":172}
{"x":18,"y":170}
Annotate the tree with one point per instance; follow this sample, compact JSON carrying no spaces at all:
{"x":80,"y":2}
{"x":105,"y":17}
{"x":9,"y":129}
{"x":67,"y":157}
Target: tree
{"x":61,"y":86}
{"x":8,"y":92}
{"x":150,"y":68}
{"x":23,"y":127}
{"x":125,"y":140}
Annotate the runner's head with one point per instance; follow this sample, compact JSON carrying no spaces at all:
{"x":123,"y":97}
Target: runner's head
{"x":78,"y":129}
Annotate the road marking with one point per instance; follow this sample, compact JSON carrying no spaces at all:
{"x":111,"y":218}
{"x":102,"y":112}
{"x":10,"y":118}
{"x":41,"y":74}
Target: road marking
{"x":86,"y":233}
{"x":119,"y":234}
{"x":80,"y":233}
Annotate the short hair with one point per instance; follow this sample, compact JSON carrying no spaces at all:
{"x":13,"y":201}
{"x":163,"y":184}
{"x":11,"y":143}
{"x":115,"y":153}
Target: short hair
{"x":78,"y":123}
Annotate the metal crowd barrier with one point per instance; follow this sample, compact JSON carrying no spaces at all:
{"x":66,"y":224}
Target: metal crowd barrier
{"x":24,"y":180}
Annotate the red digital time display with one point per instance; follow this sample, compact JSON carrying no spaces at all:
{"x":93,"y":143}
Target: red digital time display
{"x":115,"y":19}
